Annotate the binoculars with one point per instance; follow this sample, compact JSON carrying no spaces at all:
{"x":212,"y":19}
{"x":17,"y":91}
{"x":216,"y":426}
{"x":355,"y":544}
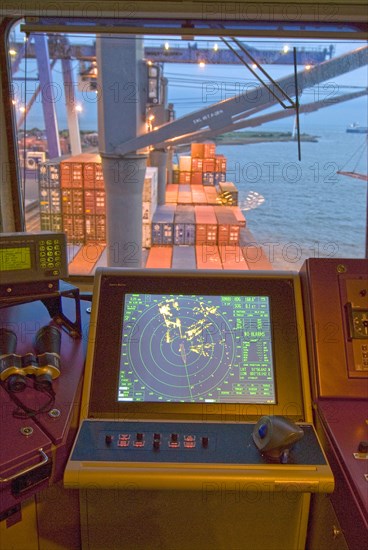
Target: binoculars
{"x":44,"y":365}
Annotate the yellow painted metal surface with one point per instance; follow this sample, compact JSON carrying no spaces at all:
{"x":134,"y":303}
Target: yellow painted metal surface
{"x":221,"y":517}
{"x":23,"y":534}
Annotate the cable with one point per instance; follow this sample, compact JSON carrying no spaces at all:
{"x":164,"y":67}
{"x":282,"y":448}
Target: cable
{"x":362,"y":147}
{"x":23,"y":411}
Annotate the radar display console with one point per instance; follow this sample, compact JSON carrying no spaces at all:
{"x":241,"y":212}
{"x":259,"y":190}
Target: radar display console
{"x":196,"y":400}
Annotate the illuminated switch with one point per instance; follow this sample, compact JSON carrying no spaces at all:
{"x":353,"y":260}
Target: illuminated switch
{"x":189,"y":441}
{"x":139,"y":441}
{"x":174,"y":442}
{"x":123,"y":440}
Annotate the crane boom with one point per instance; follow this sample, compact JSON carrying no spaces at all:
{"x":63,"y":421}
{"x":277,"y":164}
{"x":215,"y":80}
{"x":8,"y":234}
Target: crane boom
{"x":221,"y":114}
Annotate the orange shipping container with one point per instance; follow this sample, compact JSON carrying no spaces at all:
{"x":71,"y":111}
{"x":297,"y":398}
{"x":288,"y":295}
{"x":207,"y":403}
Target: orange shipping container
{"x":159,"y":257}
{"x":220,"y":164}
{"x":208,"y":257}
{"x":255,"y":257}
{"x":92,"y":172}
{"x":208,"y":165}
{"x":66,"y":201}
{"x":197,"y":165}
{"x":206,"y":225}
{"x":184,"y":177}
{"x":77,"y":195}
{"x":239,"y":216}
{"x":71,"y":174}
{"x":232,"y":257}
{"x":74,"y":227}
{"x":72,"y":169}
{"x":196,"y":150}
{"x":209,"y":150}
{"x":95,"y":228}
{"x":171,"y":193}
{"x":196,"y":178}
{"x":101,"y":228}
{"x":211,"y":195}
{"x":198,"y":194}
{"x":228,"y":228}
{"x":71,"y":201}
{"x":94,"y":201}
{"x":99,"y":181}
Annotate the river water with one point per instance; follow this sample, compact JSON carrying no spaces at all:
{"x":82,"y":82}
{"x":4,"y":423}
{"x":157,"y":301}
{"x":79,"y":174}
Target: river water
{"x":302,"y":209}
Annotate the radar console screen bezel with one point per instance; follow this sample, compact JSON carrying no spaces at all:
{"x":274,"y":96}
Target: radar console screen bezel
{"x":176,"y":326}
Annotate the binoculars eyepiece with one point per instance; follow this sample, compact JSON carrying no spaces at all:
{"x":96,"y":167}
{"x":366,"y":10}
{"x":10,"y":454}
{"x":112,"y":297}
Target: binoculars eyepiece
{"x":44,"y":366}
{"x":47,"y":346}
{"x":10,"y":363}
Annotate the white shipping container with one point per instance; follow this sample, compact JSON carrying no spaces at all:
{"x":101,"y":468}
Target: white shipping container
{"x":146,"y":235}
{"x":148,"y":209}
{"x":150,"y":185}
{"x":185,"y":163}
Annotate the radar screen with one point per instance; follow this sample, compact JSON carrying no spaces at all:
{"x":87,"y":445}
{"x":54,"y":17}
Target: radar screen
{"x":194,"y":348}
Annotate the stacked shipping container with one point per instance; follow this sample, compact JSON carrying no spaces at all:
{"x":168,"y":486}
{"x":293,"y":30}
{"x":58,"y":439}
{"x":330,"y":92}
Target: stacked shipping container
{"x":228,"y":193}
{"x":202,"y":167}
{"x":94,"y":200}
{"x":163,"y":225}
{"x":199,"y":226}
{"x":206,"y":220}
{"x":72,"y":198}
{"x":184,"y":225}
{"x":149,"y":205}
{"x":50,"y":195}
{"x":83,"y":199}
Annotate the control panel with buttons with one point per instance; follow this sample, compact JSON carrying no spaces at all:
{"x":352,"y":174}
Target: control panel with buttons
{"x":50,"y":255}
{"x":187,"y":442}
{"x":156,"y":440}
{"x":31,"y":258}
{"x":357,"y":326}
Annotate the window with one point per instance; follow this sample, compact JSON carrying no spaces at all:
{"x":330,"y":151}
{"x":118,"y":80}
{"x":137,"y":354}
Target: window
{"x":228,"y":141}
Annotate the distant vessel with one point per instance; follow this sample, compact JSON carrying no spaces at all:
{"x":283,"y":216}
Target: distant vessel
{"x":356,"y":128}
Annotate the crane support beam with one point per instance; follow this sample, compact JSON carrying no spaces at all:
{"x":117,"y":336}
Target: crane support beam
{"x":251,"y":122}
{"x":221,"y":114}
{"x":70,"y":102}
{"x":47,"y":93}
{"x":190,"y":54}
{"x":120,"y":62}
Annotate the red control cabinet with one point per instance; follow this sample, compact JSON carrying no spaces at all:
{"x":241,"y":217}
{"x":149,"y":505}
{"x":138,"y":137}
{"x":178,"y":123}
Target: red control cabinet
{"x":336,"y":311}
{"x":35,"y":447}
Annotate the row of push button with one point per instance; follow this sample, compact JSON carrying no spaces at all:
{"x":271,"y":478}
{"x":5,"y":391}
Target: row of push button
{"x":173,"y":441}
